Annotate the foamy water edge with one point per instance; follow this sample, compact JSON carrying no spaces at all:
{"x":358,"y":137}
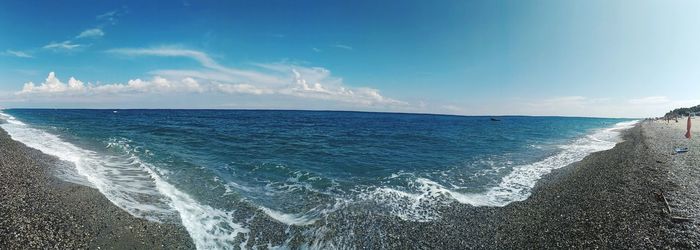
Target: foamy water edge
{"x":216,"y":228}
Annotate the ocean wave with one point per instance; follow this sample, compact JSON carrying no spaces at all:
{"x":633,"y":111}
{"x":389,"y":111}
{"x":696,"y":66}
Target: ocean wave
{"x":425,"y":196}
{"x":122,"y":182}
{"x":517,"y":185}
{"x":126,"y":175}
{"x":300,"y":219}
{"x":136,"y":187}
{"x":418,"y":206}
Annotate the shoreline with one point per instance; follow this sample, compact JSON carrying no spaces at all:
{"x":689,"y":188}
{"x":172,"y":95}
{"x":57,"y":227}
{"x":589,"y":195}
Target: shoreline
{"x":39,"y":210}
{"x":604,"y":200}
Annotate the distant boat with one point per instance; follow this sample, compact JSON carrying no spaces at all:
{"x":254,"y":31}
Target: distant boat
{"x":114,"y":111}
{"x":495,"y":120}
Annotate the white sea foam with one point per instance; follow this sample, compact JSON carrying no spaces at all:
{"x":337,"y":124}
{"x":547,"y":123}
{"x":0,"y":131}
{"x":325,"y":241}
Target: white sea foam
{"x":517,"y":185}
{"x":290,"y":219}
{"x":121,"y":181}
{"x":422,"y":203}
{"x":303,"y":218}
{"x":136,"y":187}
{"x":210,"y":228}
{"x":142,"y":189}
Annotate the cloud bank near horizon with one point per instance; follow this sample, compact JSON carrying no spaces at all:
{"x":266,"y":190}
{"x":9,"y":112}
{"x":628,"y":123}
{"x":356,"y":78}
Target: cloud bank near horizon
{"x":54,"y":90}
{"x":264,"y":84}
{"x":264,"y":79}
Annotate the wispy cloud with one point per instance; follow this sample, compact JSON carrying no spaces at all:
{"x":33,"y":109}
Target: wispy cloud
{"x":107,"y":15}
{"x":65,"y":45}
{"x":97,"y":32}
{"x":316,"y":49}
{"x":108,"y":18}
{"x":111,"y":17}
{"x":650,"y":100}
{"x":91,"y":33}
{"x":563,"y":101}
{"x":284,"y":79}
{"x":659,"y":105}
{"x":17,"y":53}
{"x":649,"y":106}
{"x":199,"y":56}
{"x":343,"y":46}
{"x":450,"y":108}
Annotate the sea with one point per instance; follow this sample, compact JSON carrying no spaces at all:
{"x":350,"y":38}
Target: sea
{"x":214,"y":171}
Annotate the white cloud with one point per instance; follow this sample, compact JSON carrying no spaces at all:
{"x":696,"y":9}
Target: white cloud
{"x":422,"y":105}
{"x":650,"y":100}
{"x":65,"y":45}
{"x":569,"y":105}
{"x":319,"y":84}
{"x":111,"y":17}
{"x":586,"y":106}
{"x":305,"y":83}
{"x":201,"y":57}
{"x":563,"y":101}
{"x":242,"y":89}
{"x":16,"y":53}
{"x":53,"y":86}
{"x":228,"y":74}
{"x":343,"y":46}
{"x":451,"y":108}
{"x":204,"y":59}
{"x":191,"y":84}
{"x":91,"y":33}
{"x":264,"y":79}
{"x":107,"y":15}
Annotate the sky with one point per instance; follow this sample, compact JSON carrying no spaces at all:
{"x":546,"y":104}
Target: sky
{"x":570,"y":58}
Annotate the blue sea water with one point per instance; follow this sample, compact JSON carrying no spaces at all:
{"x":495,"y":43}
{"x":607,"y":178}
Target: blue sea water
{"x":199,"y":167}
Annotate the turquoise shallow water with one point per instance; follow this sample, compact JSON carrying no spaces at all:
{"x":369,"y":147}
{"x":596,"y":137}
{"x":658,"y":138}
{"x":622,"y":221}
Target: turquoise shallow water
{"x":198,"y":166}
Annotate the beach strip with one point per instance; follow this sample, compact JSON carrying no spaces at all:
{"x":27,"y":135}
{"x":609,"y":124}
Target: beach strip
{"x":38,"y":210}
{"x":607,"y":200}
{"x":610,"y":199}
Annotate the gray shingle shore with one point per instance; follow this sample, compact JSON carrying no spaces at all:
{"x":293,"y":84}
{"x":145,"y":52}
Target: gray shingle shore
{"x":606,"y":200}
{"x":38,"y":210}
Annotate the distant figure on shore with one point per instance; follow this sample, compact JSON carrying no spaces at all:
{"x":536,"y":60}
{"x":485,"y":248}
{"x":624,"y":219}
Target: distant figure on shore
{"x":687,"y":134}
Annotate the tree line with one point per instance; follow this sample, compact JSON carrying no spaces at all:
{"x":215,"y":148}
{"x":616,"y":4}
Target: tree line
{"x":683,"y":111}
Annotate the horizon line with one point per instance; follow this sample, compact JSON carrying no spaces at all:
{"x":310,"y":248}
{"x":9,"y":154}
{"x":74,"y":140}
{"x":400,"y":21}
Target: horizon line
{"x":338,"y":110}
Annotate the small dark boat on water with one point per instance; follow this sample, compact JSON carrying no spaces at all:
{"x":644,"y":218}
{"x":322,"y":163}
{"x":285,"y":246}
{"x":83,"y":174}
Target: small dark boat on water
{"x":495,"y":120}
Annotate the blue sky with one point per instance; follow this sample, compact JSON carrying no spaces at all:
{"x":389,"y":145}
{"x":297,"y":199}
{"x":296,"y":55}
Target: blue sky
{"x":575,"y":58}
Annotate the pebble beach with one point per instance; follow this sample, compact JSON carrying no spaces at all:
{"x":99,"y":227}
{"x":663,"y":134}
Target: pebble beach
{"x":40,"y":211}
{"x":607,"y":200}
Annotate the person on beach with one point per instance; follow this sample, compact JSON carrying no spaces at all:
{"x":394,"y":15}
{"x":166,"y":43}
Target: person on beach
{"x":687,"y":134}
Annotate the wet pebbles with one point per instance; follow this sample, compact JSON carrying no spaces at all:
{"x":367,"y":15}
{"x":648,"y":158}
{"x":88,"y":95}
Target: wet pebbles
{"x":38,"y":210}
